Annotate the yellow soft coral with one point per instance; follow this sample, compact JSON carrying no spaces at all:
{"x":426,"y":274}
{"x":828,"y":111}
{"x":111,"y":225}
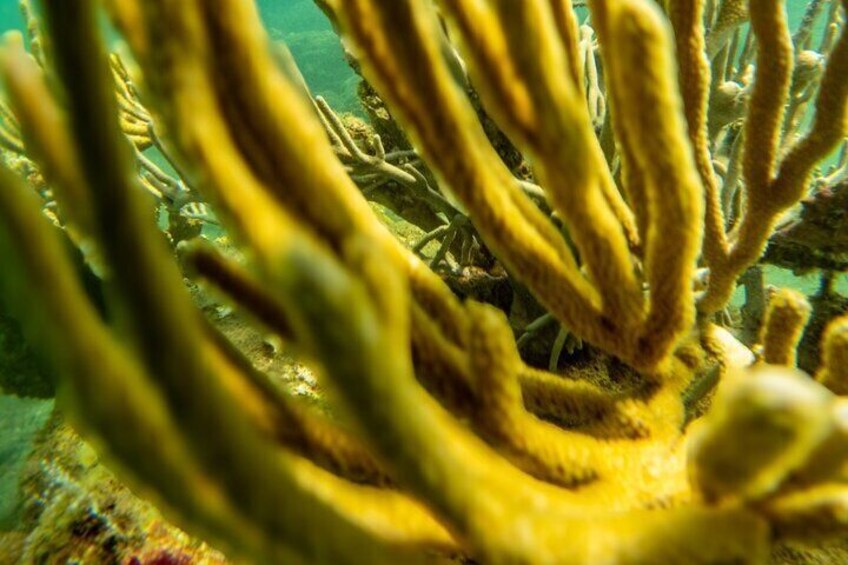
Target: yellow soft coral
{"x":446,"y":443}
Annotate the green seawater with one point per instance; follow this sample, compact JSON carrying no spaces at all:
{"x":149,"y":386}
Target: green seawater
{"x":314,"y":45}
{"x":303,"y":27}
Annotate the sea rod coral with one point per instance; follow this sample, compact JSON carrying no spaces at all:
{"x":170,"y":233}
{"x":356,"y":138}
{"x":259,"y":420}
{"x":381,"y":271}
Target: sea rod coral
{"x":443,"y":443}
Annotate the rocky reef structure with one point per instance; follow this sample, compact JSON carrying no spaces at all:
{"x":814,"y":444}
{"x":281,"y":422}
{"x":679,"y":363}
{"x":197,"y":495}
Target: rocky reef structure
{"x":442,"y":443}
{"x":76,"y":511}
{"x":816,"y":237}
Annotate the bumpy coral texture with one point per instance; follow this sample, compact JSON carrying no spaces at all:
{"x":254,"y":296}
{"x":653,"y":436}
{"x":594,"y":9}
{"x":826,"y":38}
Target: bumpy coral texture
{"x":443,"y":443}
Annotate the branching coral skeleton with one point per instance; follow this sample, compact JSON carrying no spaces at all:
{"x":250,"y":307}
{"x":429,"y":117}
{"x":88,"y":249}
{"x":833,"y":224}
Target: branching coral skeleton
{"x":446,"y":444}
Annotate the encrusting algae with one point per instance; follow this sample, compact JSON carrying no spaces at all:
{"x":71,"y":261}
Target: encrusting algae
{"x":679,"y":149}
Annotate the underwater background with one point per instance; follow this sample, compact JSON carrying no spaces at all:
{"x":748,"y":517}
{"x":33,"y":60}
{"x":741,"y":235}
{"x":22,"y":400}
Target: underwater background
{"x":302,"y":26}
{"x":315,"y":47}
{"x":308,"y":34}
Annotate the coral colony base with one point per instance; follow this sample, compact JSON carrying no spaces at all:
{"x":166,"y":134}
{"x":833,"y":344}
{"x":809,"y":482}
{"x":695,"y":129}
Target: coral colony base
{"x":618,"y":175}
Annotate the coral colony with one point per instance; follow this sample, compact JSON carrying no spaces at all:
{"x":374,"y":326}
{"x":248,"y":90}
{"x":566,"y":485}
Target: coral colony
{"x":618,"y":174}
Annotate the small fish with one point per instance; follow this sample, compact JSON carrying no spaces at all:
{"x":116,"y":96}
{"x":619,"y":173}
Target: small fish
{"x":199,"y":211}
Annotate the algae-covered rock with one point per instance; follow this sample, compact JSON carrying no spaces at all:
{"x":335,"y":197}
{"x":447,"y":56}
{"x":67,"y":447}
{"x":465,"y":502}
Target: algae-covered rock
{"x":76,"y":511}
{"x":20,"y":420}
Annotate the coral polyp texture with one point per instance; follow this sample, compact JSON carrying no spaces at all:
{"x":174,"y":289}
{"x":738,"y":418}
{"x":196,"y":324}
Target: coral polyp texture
{"x":622,"y":173}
